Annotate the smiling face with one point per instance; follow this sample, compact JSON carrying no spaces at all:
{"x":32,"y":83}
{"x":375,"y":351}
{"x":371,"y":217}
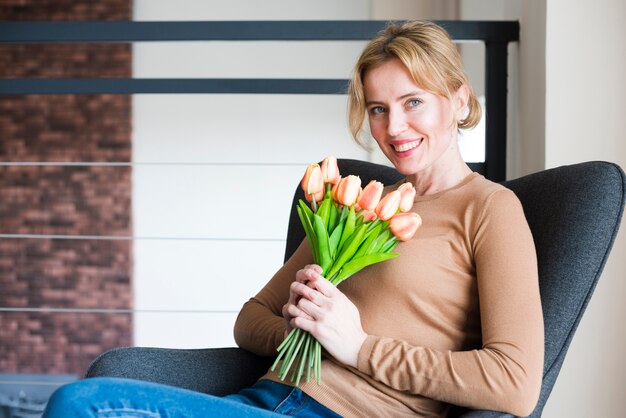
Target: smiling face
{"x":415,"y":129}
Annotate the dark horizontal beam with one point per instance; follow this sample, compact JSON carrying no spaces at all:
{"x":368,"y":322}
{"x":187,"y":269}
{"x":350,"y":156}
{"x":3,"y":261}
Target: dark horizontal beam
{"x":164,"y":85}
{"x":128,"y":31}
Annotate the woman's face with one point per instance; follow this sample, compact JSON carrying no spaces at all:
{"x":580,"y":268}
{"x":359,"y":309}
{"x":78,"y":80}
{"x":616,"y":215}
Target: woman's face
{"x":415,"y":129}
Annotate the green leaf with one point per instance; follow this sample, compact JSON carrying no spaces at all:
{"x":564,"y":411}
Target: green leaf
{"x":333,"y":219}
{"x":348,"y":227}
{"x":324,"y":210}
{"x":389,"y":245}
{"x":357,"y":264}
{"x":333,"y":241}
{"x":322,"y":242}
{"x":348,"y":250}
{"x":305,"y":207}
{"x":310,"y":234}
{"x":377,"y":244}
{"x":370,"y":236}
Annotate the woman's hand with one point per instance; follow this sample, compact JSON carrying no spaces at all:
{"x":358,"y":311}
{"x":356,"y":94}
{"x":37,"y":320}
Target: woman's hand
{"x":316,"y":306}
{"x":302,"y":276}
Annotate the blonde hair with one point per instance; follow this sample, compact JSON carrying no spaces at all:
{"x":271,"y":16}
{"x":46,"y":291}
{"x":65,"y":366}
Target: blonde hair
{"x":429,"y":54}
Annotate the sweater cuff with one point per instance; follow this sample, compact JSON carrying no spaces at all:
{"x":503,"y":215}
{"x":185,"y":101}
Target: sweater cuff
{"x":365,"y":353}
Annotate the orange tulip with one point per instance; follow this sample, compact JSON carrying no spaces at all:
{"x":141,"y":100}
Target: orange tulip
{"x":404,"y":225}
{"x":370,"y":195}
{"x":330,"y":170}
{"x":407,"y":196}
{"x":388,"y":205}
{"x":312,"y":183}
{"x":368,"y":215}
{"x":348,"y":190}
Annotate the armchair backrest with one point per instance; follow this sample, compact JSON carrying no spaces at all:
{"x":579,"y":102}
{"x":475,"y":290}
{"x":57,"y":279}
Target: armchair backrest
{"x":574,"y":214}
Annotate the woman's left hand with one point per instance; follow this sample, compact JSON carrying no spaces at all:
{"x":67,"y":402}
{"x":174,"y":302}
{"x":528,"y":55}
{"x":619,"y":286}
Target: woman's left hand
{"x":326,"y":313}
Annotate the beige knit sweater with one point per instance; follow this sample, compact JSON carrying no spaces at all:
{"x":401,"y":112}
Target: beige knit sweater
{"x":455,"y":319}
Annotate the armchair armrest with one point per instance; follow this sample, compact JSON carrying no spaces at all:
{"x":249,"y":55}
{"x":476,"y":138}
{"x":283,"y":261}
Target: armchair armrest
{"x":217,"y":371}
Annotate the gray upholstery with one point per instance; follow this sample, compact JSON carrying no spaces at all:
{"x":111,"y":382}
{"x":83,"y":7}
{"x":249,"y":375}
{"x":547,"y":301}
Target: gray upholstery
{"x":574,"y":214}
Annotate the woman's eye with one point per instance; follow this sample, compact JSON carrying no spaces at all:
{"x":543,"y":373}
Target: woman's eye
{"x":377,"y":110}
{"x":414,"y":102}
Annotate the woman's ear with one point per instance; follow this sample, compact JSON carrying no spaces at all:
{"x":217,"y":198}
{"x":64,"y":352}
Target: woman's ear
{"x":461,"y":100}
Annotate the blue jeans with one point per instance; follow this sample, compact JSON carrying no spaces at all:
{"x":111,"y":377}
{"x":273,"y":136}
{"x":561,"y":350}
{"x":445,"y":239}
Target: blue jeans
{"x":126,"y":398}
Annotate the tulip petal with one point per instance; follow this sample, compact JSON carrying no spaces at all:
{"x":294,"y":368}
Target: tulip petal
{"x":330,"y":170}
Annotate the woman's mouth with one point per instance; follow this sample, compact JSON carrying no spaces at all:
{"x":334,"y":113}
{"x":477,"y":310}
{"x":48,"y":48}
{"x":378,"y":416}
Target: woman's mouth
{"x":407,"y":146}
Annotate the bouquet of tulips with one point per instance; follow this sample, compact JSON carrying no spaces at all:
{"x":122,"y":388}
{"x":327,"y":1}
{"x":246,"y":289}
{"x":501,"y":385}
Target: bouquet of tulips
{"x":348,"y":228}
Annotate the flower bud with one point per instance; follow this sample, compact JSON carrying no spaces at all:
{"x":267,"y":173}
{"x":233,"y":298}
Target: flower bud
{"x":404,"y":225}
{"x":407,"y":196}
{"x":368,"y":215}
{"x":330,"y":170}
{"x":312,"y":183}
{"x":348,"y":190}
{"x":370,"y":195}
{"x":388,"y":205}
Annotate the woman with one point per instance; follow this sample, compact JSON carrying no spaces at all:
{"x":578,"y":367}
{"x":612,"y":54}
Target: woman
{"x":456,"y":319}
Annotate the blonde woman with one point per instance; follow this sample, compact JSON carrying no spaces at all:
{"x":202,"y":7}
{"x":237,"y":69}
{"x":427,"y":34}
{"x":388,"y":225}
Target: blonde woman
{"x":455,"y":320}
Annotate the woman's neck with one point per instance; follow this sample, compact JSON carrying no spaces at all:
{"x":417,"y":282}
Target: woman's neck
{"x":439,"y":177}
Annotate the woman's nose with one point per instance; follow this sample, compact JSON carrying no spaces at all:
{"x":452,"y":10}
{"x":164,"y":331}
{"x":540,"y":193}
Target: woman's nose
{"x":397,"y":123}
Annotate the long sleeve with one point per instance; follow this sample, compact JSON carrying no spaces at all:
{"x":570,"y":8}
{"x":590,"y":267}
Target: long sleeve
{"x":260,"y":326}
{"x":505,"y":372}
{"x":455,"y":319}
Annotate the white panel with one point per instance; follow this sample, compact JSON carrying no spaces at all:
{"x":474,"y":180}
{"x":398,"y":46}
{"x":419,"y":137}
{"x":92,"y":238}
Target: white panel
{"x":184,"y":330}
{"x":246,"y":59}
{"x":202,"y":275}
{"x":472,"y":141}
{"x":240,"y":128}
{"x":250,"y":10}
{"x":213,"y":201}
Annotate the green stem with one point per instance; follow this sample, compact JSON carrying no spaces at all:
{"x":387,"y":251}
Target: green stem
{"x":293,"y":349}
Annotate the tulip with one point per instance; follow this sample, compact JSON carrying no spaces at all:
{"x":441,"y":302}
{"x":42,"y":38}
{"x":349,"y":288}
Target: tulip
{"x":313,"y":183}
{"x":370,"y":196}
{"x":330,"y":170}
{"x":388,"y":205}
{"x":368,"y":215}
{"x":348,"y":190}
{"x":407,"y":196}
{"x":404,"y":225}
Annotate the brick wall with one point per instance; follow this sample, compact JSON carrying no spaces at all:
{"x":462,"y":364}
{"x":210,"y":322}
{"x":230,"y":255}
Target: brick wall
{"x":64,"y":200}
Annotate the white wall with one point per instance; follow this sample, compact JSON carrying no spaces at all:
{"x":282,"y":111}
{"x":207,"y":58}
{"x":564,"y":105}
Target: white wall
{"x":572,"y":58}
{"x":585,"y":110}
{"x":214,"y":174}
{"x":201,"y":160}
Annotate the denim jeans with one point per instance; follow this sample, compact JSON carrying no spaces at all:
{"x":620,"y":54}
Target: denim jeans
{"x":126,"y":398}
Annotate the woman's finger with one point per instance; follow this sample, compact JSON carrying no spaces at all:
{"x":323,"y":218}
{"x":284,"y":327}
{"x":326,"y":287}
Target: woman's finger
{"x":324,"y":286}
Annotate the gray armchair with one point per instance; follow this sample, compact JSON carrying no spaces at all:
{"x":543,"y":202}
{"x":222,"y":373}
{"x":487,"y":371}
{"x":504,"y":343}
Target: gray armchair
{"x":574,"y":213}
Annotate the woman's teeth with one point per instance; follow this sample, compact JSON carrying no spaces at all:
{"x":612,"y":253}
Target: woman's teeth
{"x":406,"y":146}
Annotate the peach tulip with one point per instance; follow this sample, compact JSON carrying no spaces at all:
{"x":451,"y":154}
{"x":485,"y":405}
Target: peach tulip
{"x":348,"y":190}
{"x":370,"y":195}
{"x":407,"y":196}
{"x":313,"y":183}
{"x":388,"y":205}
{"x":368,"y":215}
{"x":330,"y":170}
{"x":404,"y":225}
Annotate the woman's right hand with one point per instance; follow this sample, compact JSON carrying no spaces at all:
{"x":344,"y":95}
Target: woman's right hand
{"x":303,"y":276}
